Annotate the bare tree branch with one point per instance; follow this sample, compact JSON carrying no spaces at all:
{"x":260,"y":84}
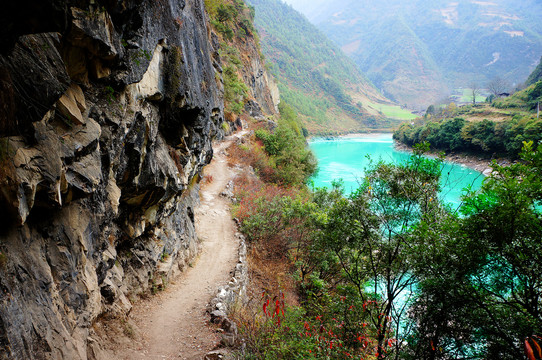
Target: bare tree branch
{"x":497,"y":86}
{"x":475,"y":91}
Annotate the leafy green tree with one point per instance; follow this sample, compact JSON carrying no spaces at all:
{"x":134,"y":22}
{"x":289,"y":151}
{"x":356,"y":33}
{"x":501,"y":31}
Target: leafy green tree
{"x":369,"y":234}
{"x":480,"y":281}
{"x":449,"y":136}
{"x":288,"y":149}
{"x":227,"y":12}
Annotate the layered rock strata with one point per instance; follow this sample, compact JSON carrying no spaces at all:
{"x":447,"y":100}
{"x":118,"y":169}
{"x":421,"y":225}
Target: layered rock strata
{"x":106,"y":120}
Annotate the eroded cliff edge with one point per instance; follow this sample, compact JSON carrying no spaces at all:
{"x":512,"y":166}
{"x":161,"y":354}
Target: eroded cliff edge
{"x":107,"y":113}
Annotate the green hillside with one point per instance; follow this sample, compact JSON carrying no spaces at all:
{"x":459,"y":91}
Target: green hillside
{"x":418,"y":51}
{"x":536,"y":75}
{"x":497,"y":129}
{"x":316,"y":77}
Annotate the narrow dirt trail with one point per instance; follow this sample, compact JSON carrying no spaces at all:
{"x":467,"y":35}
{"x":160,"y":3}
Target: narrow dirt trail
{"x":173,"y":324}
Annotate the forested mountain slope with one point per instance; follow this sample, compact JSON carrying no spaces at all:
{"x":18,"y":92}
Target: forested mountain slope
{"x":315,"y":77}
{"x":417,"y":51}
{"x":536,"y":75}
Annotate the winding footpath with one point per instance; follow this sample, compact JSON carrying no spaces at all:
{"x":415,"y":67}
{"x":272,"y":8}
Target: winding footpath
{"x":173,"y":324}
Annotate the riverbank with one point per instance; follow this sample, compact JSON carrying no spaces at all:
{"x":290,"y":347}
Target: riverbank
{"x":348,"y":158}
{"x":372,"y":135}
{"x":351,"y":133}
{"x":364,"y":135}
{"x":474,"y":162}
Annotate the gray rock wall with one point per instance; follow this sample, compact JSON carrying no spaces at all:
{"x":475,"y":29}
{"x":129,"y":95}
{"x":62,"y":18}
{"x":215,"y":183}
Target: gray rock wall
{"x":262,"y":87}
{"x":106,"y":121}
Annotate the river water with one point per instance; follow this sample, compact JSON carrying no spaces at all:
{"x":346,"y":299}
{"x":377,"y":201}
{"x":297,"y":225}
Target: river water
{"x":346,"y":159}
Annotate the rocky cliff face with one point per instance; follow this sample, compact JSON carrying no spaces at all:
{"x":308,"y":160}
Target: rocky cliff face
{"x":262,"y":87}
{"x":107,"y":113}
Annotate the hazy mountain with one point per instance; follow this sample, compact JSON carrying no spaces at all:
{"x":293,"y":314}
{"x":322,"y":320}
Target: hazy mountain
{"x":315,"y":77}
{"x":418,"y":50}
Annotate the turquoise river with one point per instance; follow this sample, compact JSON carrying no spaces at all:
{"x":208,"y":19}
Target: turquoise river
{"x":346,"y":159}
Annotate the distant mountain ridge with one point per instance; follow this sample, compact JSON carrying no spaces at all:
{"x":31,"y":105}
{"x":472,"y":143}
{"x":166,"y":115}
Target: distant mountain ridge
{"x":418,"y":51}
{"x":315,"y":77}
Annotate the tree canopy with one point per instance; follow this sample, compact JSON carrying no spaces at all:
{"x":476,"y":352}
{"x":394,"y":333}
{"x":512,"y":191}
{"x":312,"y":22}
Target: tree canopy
{"x":403,"y":277}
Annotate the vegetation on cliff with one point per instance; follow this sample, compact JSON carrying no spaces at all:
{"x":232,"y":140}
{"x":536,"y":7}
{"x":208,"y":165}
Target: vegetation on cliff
{"x":233,"y":21}
{"x":244,"y":76}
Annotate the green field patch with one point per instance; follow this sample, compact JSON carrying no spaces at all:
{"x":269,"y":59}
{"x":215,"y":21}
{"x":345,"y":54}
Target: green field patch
{"x":462,"y":96}
{"x":391,"y":111}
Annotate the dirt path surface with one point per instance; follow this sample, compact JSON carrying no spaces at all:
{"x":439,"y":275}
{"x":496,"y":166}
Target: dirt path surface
{"x":174,"y":324}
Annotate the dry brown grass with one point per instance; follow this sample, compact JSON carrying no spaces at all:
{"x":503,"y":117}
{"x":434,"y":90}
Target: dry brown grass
{"x":229,"y":116}
{"x":251,"y":153}
{"x":271,"y":274}
{"x":269,"y":278}
{"x":270,"y":265}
